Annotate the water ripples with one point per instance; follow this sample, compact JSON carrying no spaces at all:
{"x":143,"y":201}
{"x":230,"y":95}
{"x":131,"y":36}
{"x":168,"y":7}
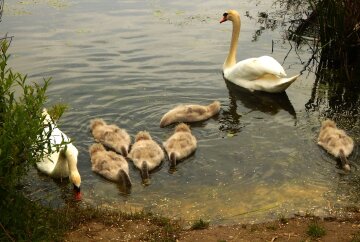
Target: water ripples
{"x":128,"y":65}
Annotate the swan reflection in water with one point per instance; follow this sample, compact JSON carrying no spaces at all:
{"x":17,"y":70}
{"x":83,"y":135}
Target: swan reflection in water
{"x":268,"y":103}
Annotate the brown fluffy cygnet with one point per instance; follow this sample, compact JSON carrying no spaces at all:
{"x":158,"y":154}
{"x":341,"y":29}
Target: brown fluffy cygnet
{"x":190,"y":113}
{"x":336,"y":142}
{"x":110,"y":136}
{"x":180,"y":145}
{"x":109,"y":164}
{"x":146,"y":155}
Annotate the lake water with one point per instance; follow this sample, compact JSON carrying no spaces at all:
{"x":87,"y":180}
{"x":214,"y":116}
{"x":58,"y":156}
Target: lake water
{"x":129,"y":62}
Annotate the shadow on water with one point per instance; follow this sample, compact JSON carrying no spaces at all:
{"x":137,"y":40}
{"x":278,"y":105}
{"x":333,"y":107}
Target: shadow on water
{"x":120,"y":185}
{"x":334,"y":99}
{"x":268,"y":103}
{"x":46,"y":191}
{"x":335,"y":46}
{"x":330,"y":30}
{"x":275,"y":173}
{"x":335,"y":60}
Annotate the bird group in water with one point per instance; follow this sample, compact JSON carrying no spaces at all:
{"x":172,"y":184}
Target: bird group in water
{"x":112,"y":149}
{"x":109,"y":155}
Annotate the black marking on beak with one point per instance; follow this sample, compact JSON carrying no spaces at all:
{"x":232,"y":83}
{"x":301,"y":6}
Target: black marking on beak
{"x":76,"y":188}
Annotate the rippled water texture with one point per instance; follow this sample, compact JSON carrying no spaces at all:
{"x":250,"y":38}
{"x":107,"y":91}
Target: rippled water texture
{"x":129,"y":62}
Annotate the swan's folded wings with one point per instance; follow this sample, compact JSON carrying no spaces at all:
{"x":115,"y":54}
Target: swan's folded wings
{"x":254,"y":68}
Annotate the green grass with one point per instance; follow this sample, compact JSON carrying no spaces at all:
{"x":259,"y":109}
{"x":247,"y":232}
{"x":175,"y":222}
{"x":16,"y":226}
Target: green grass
{"x":272,"y":227}
{"x":166,"y":229}
{"x":356,"y":237}
{"x":200,"y":224}
{"x":315,"y":230}
{"x":283,"y":219}
{"x":25,"y":220}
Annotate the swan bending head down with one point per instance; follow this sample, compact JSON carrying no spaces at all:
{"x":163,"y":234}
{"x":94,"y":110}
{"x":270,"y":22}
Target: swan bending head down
{"x":62,"y":159}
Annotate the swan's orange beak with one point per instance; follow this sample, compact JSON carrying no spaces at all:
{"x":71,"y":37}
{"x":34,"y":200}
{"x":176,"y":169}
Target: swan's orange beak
{"x":78,"y":196}
{"x":77,"y":193}
{"x":223,"y":19}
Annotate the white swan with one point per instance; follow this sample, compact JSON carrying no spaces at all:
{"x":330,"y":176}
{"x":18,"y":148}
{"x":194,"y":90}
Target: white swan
{"x":336,"y":142}
{"x":62,"y":161}
{"x":261,"y":74}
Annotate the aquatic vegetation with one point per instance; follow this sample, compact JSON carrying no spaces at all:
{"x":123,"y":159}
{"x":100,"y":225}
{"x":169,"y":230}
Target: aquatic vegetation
{"x":51,"y":3}
{"x":24,"y":7}
{"x":58,"y":3}
{"x":177,"y":17}
{"x":11,"y":9}
{"x":83,"y":31}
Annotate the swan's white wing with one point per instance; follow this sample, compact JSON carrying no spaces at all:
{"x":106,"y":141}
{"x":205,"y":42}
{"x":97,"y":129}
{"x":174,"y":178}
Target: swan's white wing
{"x":51,"y":163}
{"x":48,"y":163}
{"x":271,"y":66}
{"x":254,"y":68}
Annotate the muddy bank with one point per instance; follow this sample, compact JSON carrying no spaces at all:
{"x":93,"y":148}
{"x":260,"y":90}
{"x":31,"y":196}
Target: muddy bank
{"x":143,"y":228}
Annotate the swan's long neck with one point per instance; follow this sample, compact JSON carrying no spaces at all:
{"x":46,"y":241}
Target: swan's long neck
{"x":72,"y":163}
{"x":231,"y":58}
{"x":71,"y":156}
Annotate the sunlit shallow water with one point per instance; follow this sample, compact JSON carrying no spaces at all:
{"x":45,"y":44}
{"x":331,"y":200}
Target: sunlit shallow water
{"x":129,"y":62}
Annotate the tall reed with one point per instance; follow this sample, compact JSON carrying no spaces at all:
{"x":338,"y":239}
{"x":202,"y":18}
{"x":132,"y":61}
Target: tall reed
{"x":338,"y":24}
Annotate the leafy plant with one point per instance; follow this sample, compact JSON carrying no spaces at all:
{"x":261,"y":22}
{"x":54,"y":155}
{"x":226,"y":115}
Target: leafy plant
{"x":283,"y":219}
{"x":23,"y":142}
{"x":315,"y":231}
{"x":24,"y":220}
{"x":356,"y":237}
{"x":200,"y":224}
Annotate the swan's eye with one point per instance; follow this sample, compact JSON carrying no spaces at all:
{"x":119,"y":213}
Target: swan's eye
{"x":225,"y":14}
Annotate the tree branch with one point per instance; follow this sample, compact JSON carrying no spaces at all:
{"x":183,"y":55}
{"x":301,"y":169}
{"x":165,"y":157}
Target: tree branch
{"x":7,"y":234}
